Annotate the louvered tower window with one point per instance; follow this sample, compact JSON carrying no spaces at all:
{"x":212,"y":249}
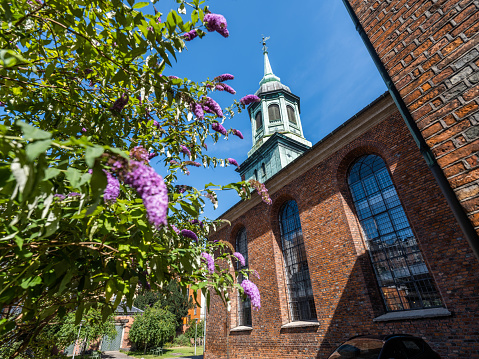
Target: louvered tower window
{"x":291,"y":116}
{"x":273,"y":113}
{"x":301,"y":301}
{"x":259,"y":120}
{"x":402,"y":275}
{"x":244,"y":306}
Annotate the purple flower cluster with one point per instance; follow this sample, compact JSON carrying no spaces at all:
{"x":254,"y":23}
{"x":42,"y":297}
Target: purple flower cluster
{"x":216,"y":22}
{"x":197,"y":109}
{"x":224,"y":77}
{"x":156,"y":124}
{"x":197,"y":221}
{"x":175,"y":229}
{"x":240,"y":257}
{"x":190,"y":35}
{"x":112,"y":190}
{"x":218,"y":127}
{"x":152,"y":155}
{"x":211,"y":106}
{"x":181,"y":188}
{"x":152,"y":189}
{"x":251,"y":290}
{"x":262,"y":190}
{"x":120,"y":103}
{"x":173,"y":77}
{"x":139,"y":153}
{"x":74,"y":194}
{"x":224,"y":87}
{"x":256,"y":274}
{"x":189,"y":234}
{"x":237,"y":133}
{"x":192,"y":163}
{"x":249,"y":99}
{"x":210,"y":261}
{"x":83,"y":129}
{"x":233,"y":161}
{"x":60,"y":196}
{"x":212,"y":197}
{"x":185,"y":150}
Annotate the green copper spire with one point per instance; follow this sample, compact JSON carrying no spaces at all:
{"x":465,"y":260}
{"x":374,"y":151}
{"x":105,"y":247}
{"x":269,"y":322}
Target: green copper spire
{"x":268,"y":71}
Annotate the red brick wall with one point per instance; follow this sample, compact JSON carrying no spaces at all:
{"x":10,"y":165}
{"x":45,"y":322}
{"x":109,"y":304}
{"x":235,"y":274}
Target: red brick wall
{"x":344,"y":286}
{"x":431,"y":51}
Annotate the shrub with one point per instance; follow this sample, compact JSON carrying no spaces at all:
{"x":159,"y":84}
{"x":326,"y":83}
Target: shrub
{"x":152,"y":328}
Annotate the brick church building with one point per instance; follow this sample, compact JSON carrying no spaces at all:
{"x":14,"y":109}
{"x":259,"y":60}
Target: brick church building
{"x":362,"y":236}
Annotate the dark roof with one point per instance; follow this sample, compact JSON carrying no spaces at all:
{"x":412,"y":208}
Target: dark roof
{"x":122,"y":309}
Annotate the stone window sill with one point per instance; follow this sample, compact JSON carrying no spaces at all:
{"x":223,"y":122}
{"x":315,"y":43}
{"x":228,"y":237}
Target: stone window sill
{"x":301,"y":324}
{"x":413,"y":314}
{"x":241,"y":328}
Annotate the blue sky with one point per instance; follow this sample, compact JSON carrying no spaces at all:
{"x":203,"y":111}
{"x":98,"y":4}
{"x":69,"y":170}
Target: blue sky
{"x":313,"y":48}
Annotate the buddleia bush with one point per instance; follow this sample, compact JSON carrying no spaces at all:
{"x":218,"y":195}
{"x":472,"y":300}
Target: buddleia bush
{"x":85,"y":110}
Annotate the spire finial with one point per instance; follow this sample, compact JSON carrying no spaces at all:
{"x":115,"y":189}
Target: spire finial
{"x":265,"y":49}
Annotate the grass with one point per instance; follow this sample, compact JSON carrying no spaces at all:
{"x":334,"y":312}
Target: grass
{"x":168,"y":353}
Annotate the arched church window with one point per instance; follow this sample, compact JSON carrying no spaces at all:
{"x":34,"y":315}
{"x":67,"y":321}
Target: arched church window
{"x":256,"y":175}
{"x":263,"y":170}
{"x":273,"y":113}
{"x":402,"y":275}
{"x":300,"y":291}
{"x":291,"y":116}
{"x":259,"y":120}
{"x":244,"y":306}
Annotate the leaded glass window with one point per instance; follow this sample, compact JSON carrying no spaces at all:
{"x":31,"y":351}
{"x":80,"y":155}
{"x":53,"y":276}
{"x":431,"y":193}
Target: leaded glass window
{"x":259,"y":120}
{"x":291,"y":116}
{"x":273,"y":113}
{"x":402,"y":275}
{"x":244,"y":306}
{"x":300,"y":291}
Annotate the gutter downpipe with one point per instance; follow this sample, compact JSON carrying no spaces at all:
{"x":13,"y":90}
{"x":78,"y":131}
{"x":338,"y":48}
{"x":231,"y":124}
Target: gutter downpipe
{"x":461,"y":217}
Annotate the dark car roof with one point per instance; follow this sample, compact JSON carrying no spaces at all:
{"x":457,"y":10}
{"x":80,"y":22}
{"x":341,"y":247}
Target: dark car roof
{"x":383,"y":337}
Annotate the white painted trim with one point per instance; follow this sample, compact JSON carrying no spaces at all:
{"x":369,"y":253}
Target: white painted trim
{"x":241,"y":328}
{"x":301,"y":324}
{"x":413,"y":314}
{"x":122,"y":335}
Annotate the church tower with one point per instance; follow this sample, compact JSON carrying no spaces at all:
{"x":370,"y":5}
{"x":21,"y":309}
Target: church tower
{"x":276,"y":126}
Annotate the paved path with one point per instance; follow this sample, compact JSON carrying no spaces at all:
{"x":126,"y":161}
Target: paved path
{"x":119,"y":355}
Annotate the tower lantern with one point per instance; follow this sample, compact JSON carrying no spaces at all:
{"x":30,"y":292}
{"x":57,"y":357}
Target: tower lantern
{"x":276,"y":127}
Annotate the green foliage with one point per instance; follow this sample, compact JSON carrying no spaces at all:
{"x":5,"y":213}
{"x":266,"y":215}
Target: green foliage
{"x":146,"y":299}
{"x":192,"y":326}
{"x":93,"y":328}
{"x":181,"y":341}
{"x":171,"y":297}
{"x":176,"y":301}
{"x":152,"y":328}
{"x":63,"y":64}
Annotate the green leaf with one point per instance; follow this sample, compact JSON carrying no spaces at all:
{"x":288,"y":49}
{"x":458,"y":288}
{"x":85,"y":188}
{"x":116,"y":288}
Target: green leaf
{"x":30,"y":282}
{"x":9,"y":58}
{"x":73,"y":176}
{"x":19,"y":242}
{"x":92,"y":153}
{"x":190,"y":209}
{"x":79,"y":313}
{"x":31,"y":133}
{"x":4,"y":174}
{"x":34,"y":149}
{"x":141,"y":4}
{"x":51,"y":173}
